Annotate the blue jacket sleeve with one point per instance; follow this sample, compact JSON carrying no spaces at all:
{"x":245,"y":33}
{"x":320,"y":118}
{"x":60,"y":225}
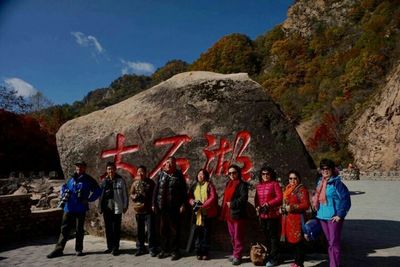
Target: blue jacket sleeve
{"x":344,"y":196}
{"x":95,"y":189}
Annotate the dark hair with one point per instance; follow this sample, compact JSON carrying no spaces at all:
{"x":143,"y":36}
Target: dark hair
{"x":268,"y":169}
{"x":206,"y":175}
{"x":296,"y":173}
{"x":172,"y":158}
{"x":238,"y":170}
{"x":327,"y":163}
{"x":111,"y":164}
{"x":142,"y":167}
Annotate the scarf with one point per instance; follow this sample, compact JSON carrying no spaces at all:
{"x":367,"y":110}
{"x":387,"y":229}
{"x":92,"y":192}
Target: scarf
{"x":288,"y":190}
{"x":228,"y":194}
{"x":320,"y":195}
{"x":200,"y":193}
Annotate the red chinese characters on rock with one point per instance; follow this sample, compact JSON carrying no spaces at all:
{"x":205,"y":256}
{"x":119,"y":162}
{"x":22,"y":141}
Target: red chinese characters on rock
{"x":118,"y":152}
{"x":221,"y":165}
{"x":176,"y":141}
{"x":242,"y":140}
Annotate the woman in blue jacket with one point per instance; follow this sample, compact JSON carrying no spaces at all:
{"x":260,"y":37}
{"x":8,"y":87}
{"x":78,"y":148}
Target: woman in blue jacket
{"x":332,"y":202}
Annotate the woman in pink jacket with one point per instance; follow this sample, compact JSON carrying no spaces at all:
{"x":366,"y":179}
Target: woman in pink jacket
{"x":267,"y":201}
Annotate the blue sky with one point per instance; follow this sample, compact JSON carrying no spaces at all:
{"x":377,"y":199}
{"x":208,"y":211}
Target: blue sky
{"x":66,"y":48}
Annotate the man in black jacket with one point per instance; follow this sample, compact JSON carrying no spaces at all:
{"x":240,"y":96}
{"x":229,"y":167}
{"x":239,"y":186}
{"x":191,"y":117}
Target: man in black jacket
{"x":169,"y":198}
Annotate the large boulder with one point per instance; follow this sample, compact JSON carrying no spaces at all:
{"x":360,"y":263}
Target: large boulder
{"x":375,"y":138}
{"x":202,"y":118}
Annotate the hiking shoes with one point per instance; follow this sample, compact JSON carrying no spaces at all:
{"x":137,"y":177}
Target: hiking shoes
{"x":55,"y":253}
{"x":236,"y":261}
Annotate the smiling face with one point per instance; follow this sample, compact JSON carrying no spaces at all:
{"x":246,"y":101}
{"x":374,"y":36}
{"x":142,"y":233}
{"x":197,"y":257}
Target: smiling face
{"x":200,"y":176}
{"x":141,"y":173}
{"x":293,"y":179}
{"x":326,"y":172}
{"x":265,"y":175}
{"x":170,"y":165}
{"x":233,"y":174}
{"x":110,"y":171}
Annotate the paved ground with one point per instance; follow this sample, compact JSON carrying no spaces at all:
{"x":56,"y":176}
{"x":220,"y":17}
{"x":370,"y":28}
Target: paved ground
{"x":371,"y":237}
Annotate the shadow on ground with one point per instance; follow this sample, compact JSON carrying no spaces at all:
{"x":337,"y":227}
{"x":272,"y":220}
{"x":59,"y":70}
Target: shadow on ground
{"x":38,"y":241}
{"x":354,"y":193}
{"x":362,"y":240}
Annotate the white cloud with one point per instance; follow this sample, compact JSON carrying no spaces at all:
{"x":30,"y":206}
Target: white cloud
{"x":136,"y":67}
{"x":22,"y":87}
{"x":88,"y":41}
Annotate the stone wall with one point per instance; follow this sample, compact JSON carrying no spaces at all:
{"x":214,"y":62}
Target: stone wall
{"x":380,"y":175}
{"x":17,"y":222}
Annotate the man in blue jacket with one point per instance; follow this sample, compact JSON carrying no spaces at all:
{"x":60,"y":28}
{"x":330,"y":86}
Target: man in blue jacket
{"x":80,"y":189}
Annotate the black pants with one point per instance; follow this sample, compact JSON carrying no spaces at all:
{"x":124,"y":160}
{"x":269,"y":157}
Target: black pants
{"x":144,"y":221}
{"x":70,"y":219}
{"x":169,"y":230}
{"x":113,"y":229}
{"x":299,"y":252}
{"x":270,"y":228}
{"x":202,"y":240}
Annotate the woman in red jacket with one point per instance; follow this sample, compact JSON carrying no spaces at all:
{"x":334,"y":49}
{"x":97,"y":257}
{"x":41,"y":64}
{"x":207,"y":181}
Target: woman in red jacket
{"x":234,"y":206}
{"x":295,"y":203}
{"x":267,"y":201}
{"x":204,"y":200}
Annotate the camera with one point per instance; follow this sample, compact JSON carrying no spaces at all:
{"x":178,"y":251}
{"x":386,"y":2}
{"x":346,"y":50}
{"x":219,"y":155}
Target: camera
{"x":64,"y":198}
{"x":197,"y":205}
{"x":283,"y":210}
{"x":264,"y":209}
{"x":79,"y":194}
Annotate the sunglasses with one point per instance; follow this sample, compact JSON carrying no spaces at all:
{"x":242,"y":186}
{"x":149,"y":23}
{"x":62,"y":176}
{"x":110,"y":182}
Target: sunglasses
{"x":292,"y":178}
{"x":325,"y":168}
{"x":231,"y":173}
{"x":265,"y":173}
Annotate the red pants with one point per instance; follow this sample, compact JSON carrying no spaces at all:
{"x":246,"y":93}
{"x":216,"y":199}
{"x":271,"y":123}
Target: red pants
{"x":237,"y":232}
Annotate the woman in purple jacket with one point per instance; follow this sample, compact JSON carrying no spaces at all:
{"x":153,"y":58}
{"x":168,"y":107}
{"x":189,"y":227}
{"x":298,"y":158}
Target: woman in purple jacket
{"x":267,"y":201}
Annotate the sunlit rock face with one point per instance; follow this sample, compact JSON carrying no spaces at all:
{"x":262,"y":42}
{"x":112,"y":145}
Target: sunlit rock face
{"x":204,"y":119}
{"x":375,"y":139}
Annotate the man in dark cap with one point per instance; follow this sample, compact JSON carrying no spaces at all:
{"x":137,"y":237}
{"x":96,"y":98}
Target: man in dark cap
{"x":80,"y":189}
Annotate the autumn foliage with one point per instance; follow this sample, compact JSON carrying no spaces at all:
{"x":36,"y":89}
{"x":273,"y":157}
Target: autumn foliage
{"x":326,"y":77}
{"x":231,"y":54}
{"x":25,"y":146}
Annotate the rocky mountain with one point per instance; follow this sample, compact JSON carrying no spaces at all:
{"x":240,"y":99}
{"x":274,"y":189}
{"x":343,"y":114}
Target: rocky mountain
{"x":304,"y":17}
{"x":375,"y":138}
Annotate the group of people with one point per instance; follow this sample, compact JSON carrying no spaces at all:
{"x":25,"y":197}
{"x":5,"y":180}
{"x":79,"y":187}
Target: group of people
{"x":160,"y":203}
{"x":283,"y":212}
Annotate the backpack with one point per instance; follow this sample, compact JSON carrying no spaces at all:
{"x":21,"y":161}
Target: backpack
{"x":312,"y":228}
{"x":258,"y":254}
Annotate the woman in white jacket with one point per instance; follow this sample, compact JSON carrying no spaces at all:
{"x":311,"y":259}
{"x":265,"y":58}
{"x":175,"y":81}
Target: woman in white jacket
{"x":113,"y":202}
